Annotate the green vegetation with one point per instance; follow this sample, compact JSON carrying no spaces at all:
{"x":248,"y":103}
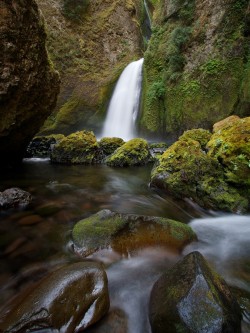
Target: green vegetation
{"x":191,"y":79}
{"x":77,"y":148}
{"x":75,"y":9}
{"x":109,"y":145}
{"x":185,"y":170}
{"x":133,"y":152}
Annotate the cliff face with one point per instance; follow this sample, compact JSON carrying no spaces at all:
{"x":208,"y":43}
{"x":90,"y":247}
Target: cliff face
{"x":196,"y":68}
{"x":90,"y":47}
{"x":28,"y":83}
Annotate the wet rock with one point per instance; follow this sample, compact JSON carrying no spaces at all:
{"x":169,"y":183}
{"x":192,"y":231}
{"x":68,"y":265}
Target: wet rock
{"x":69,"y":299}
{"x":125,"y":233}
{"x":191,"y":297}
{"x":28,"y":83}
{"x":114,"y":322}
{"x":133,"y":152}
{"x":77,"y":148}
{"x":156,"y":150}
{"x":14,"y":197}
{"x":48,"y":209}
{"x":40,"y":146}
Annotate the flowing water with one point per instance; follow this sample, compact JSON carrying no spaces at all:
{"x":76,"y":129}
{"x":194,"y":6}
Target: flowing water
{"x":62,"y":195}
{"x":124,"y":105}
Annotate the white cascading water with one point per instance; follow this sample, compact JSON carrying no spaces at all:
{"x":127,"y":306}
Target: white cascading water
{"x":124,"y":104}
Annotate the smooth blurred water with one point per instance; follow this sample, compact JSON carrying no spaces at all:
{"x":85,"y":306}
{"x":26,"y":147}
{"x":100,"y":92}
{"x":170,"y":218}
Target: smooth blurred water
{"x":124,"y":104}
{"x":62,"y":195}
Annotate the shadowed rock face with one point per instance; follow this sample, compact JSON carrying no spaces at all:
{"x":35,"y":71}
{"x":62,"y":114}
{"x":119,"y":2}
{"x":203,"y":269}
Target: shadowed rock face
{"x":191,"y":297}
{"x":68,"y":300}
{"x":28,"y":83}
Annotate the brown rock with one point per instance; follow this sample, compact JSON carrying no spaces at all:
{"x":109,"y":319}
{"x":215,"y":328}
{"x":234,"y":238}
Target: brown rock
{"x":69,"y":299}
{"x":30,"y":219}
{"x":223,"y":124}
{"x":28,"y":83}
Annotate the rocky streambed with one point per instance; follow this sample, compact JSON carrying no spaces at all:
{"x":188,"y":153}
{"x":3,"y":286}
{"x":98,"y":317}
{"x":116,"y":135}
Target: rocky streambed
{"x":86,"y":254}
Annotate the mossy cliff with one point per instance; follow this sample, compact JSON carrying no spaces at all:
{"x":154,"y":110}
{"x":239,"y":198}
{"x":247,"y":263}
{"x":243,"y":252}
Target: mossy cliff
{"x":90,"y":46}
{"x":28,"y":83}
{"x":196,"y":68}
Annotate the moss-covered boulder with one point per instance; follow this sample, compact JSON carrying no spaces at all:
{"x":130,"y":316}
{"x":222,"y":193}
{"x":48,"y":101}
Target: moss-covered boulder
{"x":196,"y":66}
{"x":76,"y":148}
{"x":191,"y":297}
{"x":29,"y":83}
{"x":126,"y":233}
{"x":230,"y":145}
{"x":197,"y":134}
{"x":40,"y":146}
{"x":185,"y":170}
{"x":133,"y":152}
{"x":109,"y":145}
{"x":69,"y":299}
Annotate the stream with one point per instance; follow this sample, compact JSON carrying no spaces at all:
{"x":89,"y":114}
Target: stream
{"x":33,"y":241}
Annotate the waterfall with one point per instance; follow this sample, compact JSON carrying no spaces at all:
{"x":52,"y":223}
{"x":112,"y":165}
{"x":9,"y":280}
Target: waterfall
{"x":124,"y":104}
{"x":147,"y":12}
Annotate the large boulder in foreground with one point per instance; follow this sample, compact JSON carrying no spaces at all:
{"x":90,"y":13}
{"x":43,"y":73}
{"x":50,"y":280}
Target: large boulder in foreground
{"x":28,"y":83}
{"x":133,"y":152}
{"x":126,"y":233}
{"x":185,"y":170}
{"x":77,"y":148}
{"x":191,"y":297}
{"x":68,"y":300}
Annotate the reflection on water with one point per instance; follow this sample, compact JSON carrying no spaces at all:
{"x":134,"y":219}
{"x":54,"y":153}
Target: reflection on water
{"x":33,"y":241}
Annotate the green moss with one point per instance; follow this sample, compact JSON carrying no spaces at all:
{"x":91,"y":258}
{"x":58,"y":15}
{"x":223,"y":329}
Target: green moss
{"x":185,"y":170}
{"x":133,"y":152}
{"x":231,"y":146}
{"x":198,"y":88}
{"x":199,"y":134}
{"x":77,"y":148}
{"x":109,"y":145}
{"x":97,"y":230}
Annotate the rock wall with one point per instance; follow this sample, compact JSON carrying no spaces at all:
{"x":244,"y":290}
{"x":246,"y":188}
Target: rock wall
{"x":28,"y":83}
{"x":90,"y":48}
{"x":196,"y":68}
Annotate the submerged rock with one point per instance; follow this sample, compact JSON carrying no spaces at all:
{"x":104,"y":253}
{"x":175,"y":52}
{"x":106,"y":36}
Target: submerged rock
{"x":68,"y":300}
{"x":191,"y":297}
{"x":133,"y":152}
{"x":125,"y":233}
{"x":28,"y":83}
{"x":186,"y":171}
{"x":14,"y":197}
{"x":76,"y":148}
